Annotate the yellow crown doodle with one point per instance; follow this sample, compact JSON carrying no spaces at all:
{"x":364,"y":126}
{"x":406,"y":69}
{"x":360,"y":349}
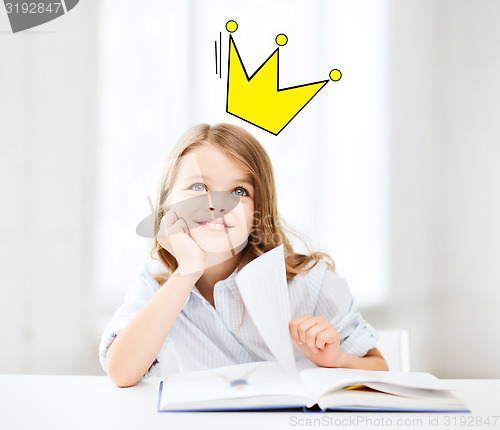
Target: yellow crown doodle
{"x":258,"y":99}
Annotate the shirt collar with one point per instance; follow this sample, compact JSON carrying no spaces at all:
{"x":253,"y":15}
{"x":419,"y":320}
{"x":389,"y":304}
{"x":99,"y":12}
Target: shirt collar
{"x":229,"y":282}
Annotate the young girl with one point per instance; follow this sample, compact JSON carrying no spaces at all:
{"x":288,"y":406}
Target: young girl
{"x":216,"y":211}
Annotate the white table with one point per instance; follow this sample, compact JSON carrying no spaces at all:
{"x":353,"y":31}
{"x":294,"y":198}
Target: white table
{"x":93,"y":402}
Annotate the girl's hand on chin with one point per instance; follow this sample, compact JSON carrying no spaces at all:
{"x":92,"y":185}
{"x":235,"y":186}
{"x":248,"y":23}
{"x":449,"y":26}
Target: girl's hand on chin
{"x":175,"y":237}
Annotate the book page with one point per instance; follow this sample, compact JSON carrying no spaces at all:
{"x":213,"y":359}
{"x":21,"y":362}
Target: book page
{"x":246,"y":380}
{"x":321,"y":380}
{"x":434,"y":400}
{"x":264,"y":290}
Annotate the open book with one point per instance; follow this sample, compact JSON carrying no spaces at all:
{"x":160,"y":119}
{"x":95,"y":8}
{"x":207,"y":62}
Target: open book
{"x":278,"y":384}
{"x":266,"y":385}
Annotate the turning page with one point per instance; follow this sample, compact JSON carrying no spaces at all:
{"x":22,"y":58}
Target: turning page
{"x":264,"y":290}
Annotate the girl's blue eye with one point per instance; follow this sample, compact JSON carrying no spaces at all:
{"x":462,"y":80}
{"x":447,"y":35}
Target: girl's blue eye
{"x":198,"y":187}
{"x":240,"y":191}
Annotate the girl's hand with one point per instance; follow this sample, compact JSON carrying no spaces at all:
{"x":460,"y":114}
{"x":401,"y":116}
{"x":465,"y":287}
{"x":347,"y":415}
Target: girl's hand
{"x":318,"y":340}
{"x":175,"y":237}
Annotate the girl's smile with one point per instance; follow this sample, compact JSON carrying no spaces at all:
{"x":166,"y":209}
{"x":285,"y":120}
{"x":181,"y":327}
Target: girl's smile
{"x":216,"y":225}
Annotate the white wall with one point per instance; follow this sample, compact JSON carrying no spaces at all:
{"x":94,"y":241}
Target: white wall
{"x":445,"y":185}
{"x":413,"y":185}
{"x":470,"y":297}
{"x":47,"y":164}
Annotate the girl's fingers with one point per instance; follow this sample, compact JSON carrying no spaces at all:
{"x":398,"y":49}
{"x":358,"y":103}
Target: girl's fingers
{"x":313,"y":331}
{"x":171,"y":224}
{"x":302,"y":325}
{"x":175,"y":224}
{"x":169,"y":218}
{"x":312,"y":335}
{"x":320,"y":340}
{"x":293,"y":324}
{"x":292,"y":327}
{"x":179,"y":226}
{"x":328,"y":336}
{"x":165,"y":223}
{"x":183,"y":224}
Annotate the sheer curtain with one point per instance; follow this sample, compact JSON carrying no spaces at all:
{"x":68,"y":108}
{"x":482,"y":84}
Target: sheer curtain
{"x":157,"y":69}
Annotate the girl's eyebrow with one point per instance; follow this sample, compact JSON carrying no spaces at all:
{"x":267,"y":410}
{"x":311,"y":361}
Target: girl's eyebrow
{"x":206,"y":178}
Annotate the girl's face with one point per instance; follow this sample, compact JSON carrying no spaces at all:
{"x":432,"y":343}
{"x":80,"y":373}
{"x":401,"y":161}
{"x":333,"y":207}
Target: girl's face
{"x":215,"y":198}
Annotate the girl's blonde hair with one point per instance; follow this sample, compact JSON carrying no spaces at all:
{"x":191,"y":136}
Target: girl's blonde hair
{"x":268,"y":230}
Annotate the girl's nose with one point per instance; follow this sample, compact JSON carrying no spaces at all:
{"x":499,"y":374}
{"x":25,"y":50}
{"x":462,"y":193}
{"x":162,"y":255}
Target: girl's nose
{"x":220,"y":202}
{"x":213,"y":209}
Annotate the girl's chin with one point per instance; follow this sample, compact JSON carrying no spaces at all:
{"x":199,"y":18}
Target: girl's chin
{"x":215,"y":250}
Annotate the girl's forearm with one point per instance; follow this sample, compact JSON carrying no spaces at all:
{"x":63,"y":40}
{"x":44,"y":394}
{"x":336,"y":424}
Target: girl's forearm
{"x":138,"y":344}
{"x":368,"y":362}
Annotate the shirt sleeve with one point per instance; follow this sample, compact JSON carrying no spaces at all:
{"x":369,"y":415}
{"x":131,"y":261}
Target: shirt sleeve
{"x":336,"y":304}
{"x":139,"y":292}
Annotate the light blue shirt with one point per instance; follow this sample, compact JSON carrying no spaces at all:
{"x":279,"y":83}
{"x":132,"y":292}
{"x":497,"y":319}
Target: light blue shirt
{"x":204,"y":337}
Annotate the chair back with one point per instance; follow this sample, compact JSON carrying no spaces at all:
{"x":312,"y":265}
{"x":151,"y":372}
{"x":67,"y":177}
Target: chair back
{"x":394,"y":345}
